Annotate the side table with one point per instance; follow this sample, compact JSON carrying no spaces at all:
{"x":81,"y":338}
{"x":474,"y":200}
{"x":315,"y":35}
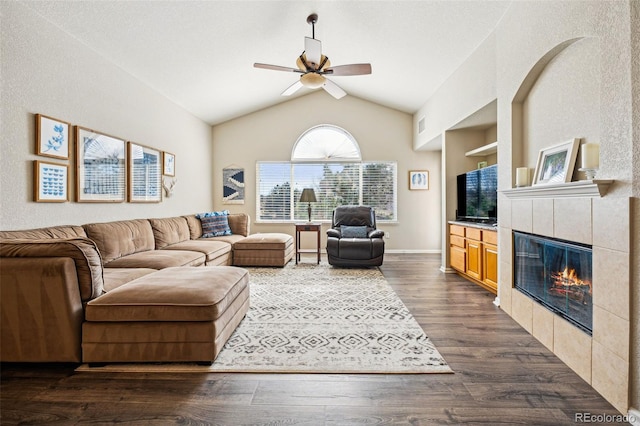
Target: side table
{"x":312,"y":227}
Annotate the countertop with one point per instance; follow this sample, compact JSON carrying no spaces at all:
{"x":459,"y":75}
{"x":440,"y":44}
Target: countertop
{"x":485,"y":226}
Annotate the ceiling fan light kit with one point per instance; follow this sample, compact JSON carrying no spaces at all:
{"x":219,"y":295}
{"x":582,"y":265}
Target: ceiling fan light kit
{"x":313,"y":66}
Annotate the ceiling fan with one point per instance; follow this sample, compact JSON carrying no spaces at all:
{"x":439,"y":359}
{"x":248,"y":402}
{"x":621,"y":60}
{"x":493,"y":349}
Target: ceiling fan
{"x":314,"y":66}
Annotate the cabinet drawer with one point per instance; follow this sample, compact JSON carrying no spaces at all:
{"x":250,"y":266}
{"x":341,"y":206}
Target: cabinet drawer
{"x":474,"y":234}
{"x":458,"y":259}
{"x":456,"y":240}
{"x":456,"y":230}
{"x":490,"y":237}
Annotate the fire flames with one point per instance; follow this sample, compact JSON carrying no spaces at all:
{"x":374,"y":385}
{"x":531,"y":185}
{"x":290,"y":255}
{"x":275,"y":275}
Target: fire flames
{"x":567,"y":283}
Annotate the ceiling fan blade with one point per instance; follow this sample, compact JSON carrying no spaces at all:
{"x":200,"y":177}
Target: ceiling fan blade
{"x":313,"y":50}
{"x":333,"y":89}
{"x":275,"y":67}
{"x":292,"y":89}
{"x":351,"y":69}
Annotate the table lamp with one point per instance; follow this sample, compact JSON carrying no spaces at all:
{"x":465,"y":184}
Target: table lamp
{"x":308,"y":196}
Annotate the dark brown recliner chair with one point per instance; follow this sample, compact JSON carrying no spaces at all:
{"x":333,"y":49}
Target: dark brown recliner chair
{"x":353,"y":239}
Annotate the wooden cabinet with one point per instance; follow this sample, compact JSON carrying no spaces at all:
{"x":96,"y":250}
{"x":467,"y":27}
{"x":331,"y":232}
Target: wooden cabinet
{"x":473,"y":252}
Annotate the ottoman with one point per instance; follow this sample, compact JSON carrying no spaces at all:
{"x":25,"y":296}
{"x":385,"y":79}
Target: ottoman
{"x":268,"y":249}
{"x":173,"y":315}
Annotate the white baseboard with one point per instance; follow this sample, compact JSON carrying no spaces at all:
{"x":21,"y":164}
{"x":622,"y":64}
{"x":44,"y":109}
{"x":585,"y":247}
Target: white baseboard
{"x":447,"y":270}
{"x":634,"y":416}
{"x":496,"y":301}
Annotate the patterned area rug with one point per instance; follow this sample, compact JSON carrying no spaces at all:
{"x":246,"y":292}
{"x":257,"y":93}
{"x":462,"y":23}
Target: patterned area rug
{"x":309,"y":318}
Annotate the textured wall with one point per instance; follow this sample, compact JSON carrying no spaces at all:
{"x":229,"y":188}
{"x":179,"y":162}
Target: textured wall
{"x":46,"y":71}
{"x":594,"y":67}
{"x":564,"y":103}
{"x":382,"y":134}
{"x":635,"y":207}
{"x":580,"y":50}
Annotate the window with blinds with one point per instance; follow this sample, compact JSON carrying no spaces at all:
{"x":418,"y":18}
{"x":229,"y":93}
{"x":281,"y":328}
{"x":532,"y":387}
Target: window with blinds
{"x":336,"y":182}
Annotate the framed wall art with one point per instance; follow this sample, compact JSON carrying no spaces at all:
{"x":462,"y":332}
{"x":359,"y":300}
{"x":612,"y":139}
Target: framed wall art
{"x":555,"y":164}
{"x":50,"y":182}
{"x":418,"y":179}
{"x":100,"y":167}
{"x":144,"y":174}
{"x":168,"y":164}
{"x":52,"y":137}
{"x":232,"y":185}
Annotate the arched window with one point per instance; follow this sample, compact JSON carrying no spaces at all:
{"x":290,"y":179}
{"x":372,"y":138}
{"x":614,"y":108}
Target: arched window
{"x":327,"y":159}
{"x":326,"y":142}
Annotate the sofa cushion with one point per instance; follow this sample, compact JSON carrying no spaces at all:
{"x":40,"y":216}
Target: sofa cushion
{"x":121,"y":238}
{"x":158,"y":259}
{"x":214,"y":224}
{"x":63,"y":231}
{"x":211,"y":248}
{"x":83,"y":251}
{"x":172,"y":294}
{"x":170,"y":230}
{"x":239,"y":223}
{"x":266,"y":241}
{"x":115,"y":277}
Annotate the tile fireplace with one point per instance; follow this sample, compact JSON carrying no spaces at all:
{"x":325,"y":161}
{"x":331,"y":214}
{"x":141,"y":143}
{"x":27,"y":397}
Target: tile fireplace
{"x":557,"y":274}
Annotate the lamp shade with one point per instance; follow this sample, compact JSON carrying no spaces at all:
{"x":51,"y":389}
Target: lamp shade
{"x":308,"y":196}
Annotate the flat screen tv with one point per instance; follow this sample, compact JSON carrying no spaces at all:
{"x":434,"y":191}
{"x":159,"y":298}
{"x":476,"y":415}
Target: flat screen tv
{"x":478,"y":195}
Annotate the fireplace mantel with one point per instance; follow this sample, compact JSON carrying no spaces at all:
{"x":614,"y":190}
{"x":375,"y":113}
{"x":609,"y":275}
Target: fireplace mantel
{"x":581,"y":188}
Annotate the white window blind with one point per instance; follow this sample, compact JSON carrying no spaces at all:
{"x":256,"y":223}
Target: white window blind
{"x":335,"y":183}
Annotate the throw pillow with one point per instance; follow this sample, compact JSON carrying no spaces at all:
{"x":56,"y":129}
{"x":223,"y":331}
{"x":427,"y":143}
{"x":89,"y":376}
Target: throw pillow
{"x":353,"y":231}
{"x":214,"y":224}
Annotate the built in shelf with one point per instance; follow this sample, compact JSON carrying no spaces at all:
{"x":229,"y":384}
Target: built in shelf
{"x":581,"y":188}
{"x":488,"y":149}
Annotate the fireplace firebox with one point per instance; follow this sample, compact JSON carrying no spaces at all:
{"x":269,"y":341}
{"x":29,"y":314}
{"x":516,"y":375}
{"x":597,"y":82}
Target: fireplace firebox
{"x":556,"y":274}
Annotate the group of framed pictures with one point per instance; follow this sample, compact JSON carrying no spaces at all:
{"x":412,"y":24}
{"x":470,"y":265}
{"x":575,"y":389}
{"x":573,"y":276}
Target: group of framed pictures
{"x":108,"y":169}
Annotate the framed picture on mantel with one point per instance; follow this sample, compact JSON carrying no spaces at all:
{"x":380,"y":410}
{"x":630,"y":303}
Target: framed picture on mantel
{"x":555,"y":164}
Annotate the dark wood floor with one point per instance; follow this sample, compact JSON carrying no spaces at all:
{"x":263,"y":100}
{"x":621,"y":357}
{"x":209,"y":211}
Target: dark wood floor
{"x":502,"y":376}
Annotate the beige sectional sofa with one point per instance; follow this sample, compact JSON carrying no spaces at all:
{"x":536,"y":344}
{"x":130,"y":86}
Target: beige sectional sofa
{"x":125,"y":291}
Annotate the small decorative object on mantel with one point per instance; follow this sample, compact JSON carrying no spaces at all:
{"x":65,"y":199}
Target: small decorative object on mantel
{"x":418,"y":179}
{"x":522,"y":177}
{"x":52,"y":137}
{"x":555,"y":164}
{"x":590,"y":154}
{"x":168,"y":185}
{"x":233,"y":185}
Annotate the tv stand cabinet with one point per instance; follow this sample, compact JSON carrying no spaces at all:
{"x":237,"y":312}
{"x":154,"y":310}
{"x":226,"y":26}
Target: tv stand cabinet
{"x":473,"y":253}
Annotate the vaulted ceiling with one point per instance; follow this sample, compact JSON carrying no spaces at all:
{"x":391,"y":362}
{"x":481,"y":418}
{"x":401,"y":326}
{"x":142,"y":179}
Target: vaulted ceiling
{"x":200,"y":54}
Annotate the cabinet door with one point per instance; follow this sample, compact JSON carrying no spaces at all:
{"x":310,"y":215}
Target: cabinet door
{"x":458,"y":258}
{"x":490,"y":258}
{"x":474,"y":259}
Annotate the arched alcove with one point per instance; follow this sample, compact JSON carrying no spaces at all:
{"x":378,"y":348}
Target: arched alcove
{"x":558,"y":100}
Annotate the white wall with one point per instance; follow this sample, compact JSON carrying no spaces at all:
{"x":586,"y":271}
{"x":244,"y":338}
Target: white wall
{"x":46,"y":71}
{"x":469,"y":89}
{"x":383,"y":134}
